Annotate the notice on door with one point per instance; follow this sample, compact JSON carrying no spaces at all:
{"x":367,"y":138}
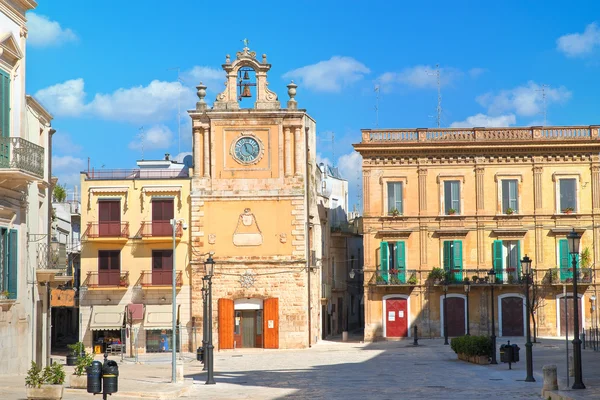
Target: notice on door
{"x":401,"y":314}
{"x":237,"y":320}
{"x":270,"y":324}
{"x":391,"y":316}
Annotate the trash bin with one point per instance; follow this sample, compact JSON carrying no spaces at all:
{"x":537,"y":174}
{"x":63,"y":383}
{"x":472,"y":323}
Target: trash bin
{"x":94,"y":377}
{"x":110,"y":377}
{"x":506,"y":353}
{"x":200,"y":354}
{"x":515,"y":353}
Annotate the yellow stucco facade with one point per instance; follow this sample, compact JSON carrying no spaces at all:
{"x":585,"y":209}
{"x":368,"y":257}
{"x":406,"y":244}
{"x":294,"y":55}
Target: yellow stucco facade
{"x":469,"y":201}
{"x":132,"y":295}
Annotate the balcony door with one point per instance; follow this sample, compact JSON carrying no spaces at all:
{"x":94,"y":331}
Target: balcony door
{"x":162,"y":267}
{"x":162,"y":213}
{"x":109,"y":218}
{"x":109,"y":267}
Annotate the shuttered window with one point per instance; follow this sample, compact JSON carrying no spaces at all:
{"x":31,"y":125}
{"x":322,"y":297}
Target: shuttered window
{"x":452,"y":257}
{"x":9,"y":247}
{"x":4,"y":104}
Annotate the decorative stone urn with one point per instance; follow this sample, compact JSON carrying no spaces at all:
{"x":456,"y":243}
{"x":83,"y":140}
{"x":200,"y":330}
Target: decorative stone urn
{"x":45,"y":392}
{"x":78,"y":382}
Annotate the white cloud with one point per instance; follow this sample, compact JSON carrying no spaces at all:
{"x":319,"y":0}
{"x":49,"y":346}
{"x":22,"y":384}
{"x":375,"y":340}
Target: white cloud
{"x":44,"y":33}
{"x":485,"y":121}
{"x":350,"y":166}
{"x":214,"y":79}
{"x":476,"y":72}
{"x":579,"y":44}
{"x":323,"y":160}
{"x":157,"y":137}
{"x":152,"y":103}
{"x":523,"y":100}
{"x":64,"y":99}
{"x":67,"y":169}
{"x":331,"y":75}
{"x":419,"y":76}
{"x":62,"y":143}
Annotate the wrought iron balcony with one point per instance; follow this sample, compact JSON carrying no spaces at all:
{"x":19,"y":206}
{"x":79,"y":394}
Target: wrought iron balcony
{"x":565,"y":275}
{"x":109,"y":174}
{"x":18,"y":153}
{"x":156,"y":278}
{"x":106,"y":279}
{"x":395,"y":277}
{"x":159,"y":229}
{"x":106,"y":230}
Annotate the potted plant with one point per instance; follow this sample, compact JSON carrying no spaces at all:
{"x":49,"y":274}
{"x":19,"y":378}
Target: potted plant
{"x":46,"y":383}
{"x":123,"y":281}
{"x":510,"y":211}
{"x":394,"y":212}
{"x":79,"y":377}
{"x":4,"y":295}
{"x":77,"y":349}
{"x":412,"y":280}
{"x":474,"y":278}
{"x":451,"y":211}
{"x":568,"y":210}
{"x":436,"y":274}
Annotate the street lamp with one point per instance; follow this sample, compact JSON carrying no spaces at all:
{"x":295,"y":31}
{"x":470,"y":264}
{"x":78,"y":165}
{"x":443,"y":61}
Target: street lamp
{"x":174,"y":223}
{"x":445,"y":287}
{"x":204,"y":324}
{"x":467,"y":286}
{"x":209,"y":266}
{"x":492,"y":282}
{"x":526,"y":268}
{"x":574,"y":238}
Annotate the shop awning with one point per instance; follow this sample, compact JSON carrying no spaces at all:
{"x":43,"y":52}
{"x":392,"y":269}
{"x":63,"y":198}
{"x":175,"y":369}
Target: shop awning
{"x":159,"y":316}
{"x":107,"y":318}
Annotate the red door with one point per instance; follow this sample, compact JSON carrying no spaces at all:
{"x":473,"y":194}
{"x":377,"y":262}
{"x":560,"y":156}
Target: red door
{"x":512,"y":316}
{"x":109,"y":267}
{"x":162,"y":267}
{"x":396,"y":318}
{"x":109,"y":218}
{"x":162,"y":213}
{"x":271,"y":323}
{"x":570,"y":316}
{"x":226,"y":321}
{"x":456,"y":316}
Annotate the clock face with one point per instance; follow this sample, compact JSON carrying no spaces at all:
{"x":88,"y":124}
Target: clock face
{"x":247,"y":149}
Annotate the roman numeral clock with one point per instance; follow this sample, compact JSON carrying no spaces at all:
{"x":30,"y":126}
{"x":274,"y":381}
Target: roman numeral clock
{"x":247,"y":149}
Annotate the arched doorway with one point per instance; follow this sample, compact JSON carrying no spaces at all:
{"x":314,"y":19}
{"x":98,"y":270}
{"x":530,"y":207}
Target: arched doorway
{"x":562,"y":317}
{"x":396,"y":318}
{"x":512,"y":314}
{"x":456,"y":314}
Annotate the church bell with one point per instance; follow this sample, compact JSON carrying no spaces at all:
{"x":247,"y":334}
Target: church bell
{"x":246,"y":76}
{"x":246,"y":92}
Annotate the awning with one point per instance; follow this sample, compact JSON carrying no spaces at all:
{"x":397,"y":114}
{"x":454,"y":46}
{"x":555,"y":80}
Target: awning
{"x":107,"y":318}
{"x":159,"y":316}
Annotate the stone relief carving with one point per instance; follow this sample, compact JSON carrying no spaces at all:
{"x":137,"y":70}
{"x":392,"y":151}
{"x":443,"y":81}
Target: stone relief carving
{"x":212,"y":238}
{"x":283,"y":237}
{"x":247,"y":279}
{"x":247,"y":232}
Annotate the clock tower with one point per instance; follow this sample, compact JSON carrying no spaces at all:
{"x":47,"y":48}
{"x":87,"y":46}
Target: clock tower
{"x":253,"y":204}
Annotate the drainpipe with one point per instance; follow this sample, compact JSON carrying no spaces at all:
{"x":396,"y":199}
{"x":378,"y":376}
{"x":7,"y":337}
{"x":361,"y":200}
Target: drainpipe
{"x":51,"y":132}
{"x":307,"y":230}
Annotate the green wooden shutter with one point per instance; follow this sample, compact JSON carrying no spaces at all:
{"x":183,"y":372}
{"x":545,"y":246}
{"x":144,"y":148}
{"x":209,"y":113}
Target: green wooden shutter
{"x":518,"y":259}
{"x":563,"y":256}
{"x":5,"y":104}
{"x":447,"y":255}
{"x":458,"y":261}
{"x":401,"y":261}
{"x":383,"y":252}
{"x":13,"y":248}
{"x":498,"y":264}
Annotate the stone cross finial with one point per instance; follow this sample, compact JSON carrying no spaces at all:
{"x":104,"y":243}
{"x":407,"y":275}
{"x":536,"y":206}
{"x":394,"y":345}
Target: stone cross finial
{"x":292,"y":104}
{"x":246,"y":41}
{"x":201,"y":104}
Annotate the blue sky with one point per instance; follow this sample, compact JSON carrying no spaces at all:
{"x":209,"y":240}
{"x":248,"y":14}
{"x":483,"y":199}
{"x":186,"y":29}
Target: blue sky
{"x":106,"y":69}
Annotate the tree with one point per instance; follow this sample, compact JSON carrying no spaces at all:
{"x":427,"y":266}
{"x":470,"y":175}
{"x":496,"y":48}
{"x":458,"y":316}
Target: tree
{"x":60,"y":193}
{"x":537,"y":299}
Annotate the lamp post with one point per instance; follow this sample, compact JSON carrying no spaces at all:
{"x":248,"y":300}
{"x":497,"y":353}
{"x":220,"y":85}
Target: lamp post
{"x":209,"y":266}
{"x":574,"y":239}
{"x":467,"y":286}
{"x":204,"y":324}
{"x":445,"y":287}
{"x":492,"y":282}
{"x":526,"y":268}
{"x":174,"y":223}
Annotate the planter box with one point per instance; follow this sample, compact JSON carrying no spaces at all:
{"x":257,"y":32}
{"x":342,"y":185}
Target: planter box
{"x":481,"y":360}
{"x":78,"y":382}
{"x":45,"y":392}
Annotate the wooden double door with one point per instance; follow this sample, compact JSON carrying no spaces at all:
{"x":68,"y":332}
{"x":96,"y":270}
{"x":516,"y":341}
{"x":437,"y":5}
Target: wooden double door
{"x":249,"y":328}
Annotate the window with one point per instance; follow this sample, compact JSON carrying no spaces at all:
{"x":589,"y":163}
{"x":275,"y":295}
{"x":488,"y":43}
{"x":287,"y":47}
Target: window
{"x":452,"y":197}
{"x":394,"y":192}
{"x":393,"y":262}
{"x":4,"y":106}
{"x":565,"y":261}
{"x":507,"y":260}
{"x":162,"y":214}
{"x":510,"y":195}
{"x":452,"y":259}
{"x":236,"y":322}
{"x":109,"y":218}
{"x":8,"y":262}
{"x":568,"y":195}
{"x":162,"y":267}
{"x":109,"y":267}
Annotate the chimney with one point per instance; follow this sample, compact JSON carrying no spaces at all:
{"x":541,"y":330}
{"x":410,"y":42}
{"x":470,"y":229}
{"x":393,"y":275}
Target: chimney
{"x":167,"y":156}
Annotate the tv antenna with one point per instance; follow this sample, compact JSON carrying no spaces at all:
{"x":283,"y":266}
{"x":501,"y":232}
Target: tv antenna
{"x":376,"y":105}
{"x":544,"y":108}
{"x":332,"y":140}
{"x":178,"y":105}
{"x":141,"y":136}
{"x":439,"y":96}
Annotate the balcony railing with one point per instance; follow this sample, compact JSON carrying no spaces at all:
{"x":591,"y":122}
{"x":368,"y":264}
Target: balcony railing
{"x":344,"y":227}
{"x":108,"y":174}
{"x":51,"y":257}
{"x":106,"y":279}
{"x":395,"y":277}
{"x":565,"y":275}
{"x":160,"y":278}
{"x":16,"y":152}
{"x":106,"y":230}
{"x":481,"y":134}
{"x":159,"y":229}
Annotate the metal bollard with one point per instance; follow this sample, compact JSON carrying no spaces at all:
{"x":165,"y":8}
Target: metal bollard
{"x":583,"y":338}
{"x":415,"y":336}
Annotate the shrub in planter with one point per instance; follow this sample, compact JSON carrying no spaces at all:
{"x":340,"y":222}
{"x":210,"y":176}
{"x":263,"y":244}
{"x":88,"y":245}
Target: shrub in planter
{"x":77,"y":350}
{"x":472,"y":346}
{"x":437,"y":274}
{"x":79,"y":377}
{"x":46,"y":383}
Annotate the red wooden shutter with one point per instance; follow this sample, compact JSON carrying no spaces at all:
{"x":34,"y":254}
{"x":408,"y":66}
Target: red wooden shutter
{"x":271,"y":323}
{"x":225,"y":324}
